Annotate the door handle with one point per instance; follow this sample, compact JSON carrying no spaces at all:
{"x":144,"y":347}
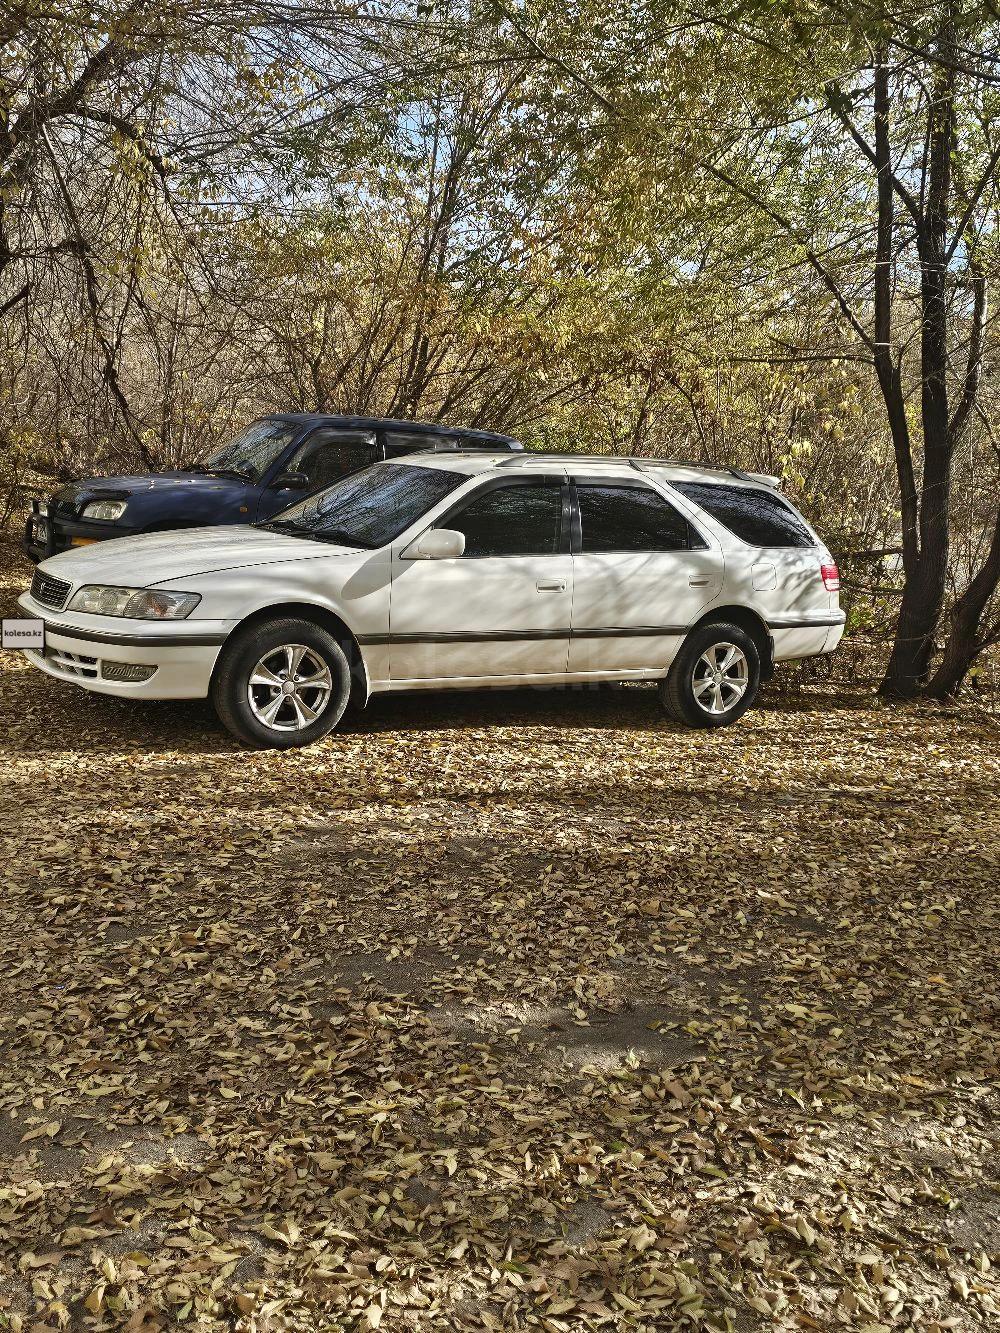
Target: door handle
{"x":550,"y":587}
{"x":699,"y":583}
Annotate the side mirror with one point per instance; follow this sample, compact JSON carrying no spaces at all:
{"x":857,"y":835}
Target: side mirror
{"x":290,"y":480}
{"x":437,"y":544}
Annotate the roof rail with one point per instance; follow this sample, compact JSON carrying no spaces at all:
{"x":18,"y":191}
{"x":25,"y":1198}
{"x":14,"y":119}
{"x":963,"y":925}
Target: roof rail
{"x":704,"y":467}
{"x":640,"y":464}
{"x":529,"y":455}
{"x":473,"y":447}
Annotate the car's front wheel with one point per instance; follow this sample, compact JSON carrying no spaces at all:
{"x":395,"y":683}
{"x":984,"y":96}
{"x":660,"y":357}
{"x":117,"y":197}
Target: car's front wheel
{"x":281,"y":683}
{"x":714,"y":678}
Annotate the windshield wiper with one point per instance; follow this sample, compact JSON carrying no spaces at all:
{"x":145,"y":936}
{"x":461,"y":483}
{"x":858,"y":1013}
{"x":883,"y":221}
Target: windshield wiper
{"x":283,"y":523}
{"x":231,"y":472}
{"x":204,"y":471}
{"x":334,"y":536}
{"x":341,"y":538}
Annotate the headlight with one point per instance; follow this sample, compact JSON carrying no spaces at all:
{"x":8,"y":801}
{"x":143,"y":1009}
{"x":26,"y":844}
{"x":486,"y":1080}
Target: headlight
{"x":108,"y":510}
{"x":43,"y":508}
{"x":136,"y":603}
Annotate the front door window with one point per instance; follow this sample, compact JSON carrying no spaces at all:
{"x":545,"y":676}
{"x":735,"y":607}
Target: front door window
{"x":328,"y":455}
{"x":512,"y":520}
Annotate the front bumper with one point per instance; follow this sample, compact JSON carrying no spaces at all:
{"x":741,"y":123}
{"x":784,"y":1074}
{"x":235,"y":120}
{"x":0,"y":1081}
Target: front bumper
{"x":182,"y":653}
{"x":49,"y":534}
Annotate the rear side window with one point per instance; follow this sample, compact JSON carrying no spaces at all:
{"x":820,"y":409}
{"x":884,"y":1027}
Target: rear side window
{"x":759,"y":518}
{"x":512,"y":520}
{"x":629,"y":518}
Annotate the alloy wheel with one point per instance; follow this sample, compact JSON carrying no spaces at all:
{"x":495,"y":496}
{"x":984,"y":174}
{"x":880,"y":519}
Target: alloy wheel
{"x":289,"y":687}
{"x":720,"y":678}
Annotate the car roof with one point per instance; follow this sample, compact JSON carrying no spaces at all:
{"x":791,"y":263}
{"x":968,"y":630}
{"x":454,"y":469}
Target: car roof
{"x":393,"y":423}
{"x":585,"y":464}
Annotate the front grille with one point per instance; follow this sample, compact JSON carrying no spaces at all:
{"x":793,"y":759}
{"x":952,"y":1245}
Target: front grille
{"x":49,"y":591}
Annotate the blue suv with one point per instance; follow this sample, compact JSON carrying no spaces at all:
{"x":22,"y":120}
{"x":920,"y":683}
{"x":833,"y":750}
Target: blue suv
{"x":274,"y":463}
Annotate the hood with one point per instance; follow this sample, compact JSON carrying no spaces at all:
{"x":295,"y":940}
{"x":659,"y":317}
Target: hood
{"x":170,"y":557}
{"x":77,"y":493}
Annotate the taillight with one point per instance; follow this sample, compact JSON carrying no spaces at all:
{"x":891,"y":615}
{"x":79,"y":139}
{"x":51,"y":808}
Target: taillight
{"x":830,"y":575}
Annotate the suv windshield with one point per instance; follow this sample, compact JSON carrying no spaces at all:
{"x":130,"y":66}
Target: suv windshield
{"x":253,"y":452}
{"x":371,"y":507}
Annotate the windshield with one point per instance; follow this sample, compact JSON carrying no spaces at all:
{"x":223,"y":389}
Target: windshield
{"x":371,"y":507}
{"x":253,"y":452}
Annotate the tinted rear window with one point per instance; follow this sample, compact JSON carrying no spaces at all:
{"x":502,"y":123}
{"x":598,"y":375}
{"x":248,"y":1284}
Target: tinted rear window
{"x":759,"y":518}
{"x":629,"y":518}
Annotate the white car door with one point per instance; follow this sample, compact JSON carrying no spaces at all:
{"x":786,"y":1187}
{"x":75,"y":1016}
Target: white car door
{"x":641,"y":575}
{"x":502,"y":609}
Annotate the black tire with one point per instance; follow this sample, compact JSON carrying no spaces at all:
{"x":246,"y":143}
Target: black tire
{"x":231,"y":686}
{"x":678,"y":690}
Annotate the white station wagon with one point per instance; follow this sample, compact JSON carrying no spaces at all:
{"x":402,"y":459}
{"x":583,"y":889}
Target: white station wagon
{"x":452,"y":571}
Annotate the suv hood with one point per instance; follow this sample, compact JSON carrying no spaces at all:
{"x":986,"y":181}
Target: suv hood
{"x":170,"y":557}
{"x":77,"y":493}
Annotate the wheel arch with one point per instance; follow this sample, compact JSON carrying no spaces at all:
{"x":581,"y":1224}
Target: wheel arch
{"x":329,"y":620}
{"x":748,"y":620}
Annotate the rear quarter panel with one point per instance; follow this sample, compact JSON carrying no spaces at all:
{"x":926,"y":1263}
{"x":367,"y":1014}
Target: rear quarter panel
{"x":789,"y":592}
{"x":783,"y":585}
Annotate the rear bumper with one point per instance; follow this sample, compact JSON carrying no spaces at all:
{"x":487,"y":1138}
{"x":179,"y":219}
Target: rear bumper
{"x":806,"y":635}
{"x":182,"y":655}
{"x":834,"y":635}
{"x":46,"y":535}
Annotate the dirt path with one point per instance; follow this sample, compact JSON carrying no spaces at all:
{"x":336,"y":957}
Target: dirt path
{"x":500,"y":1011}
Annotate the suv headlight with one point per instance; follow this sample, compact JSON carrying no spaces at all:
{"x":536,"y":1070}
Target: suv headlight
{"x":108,"y":510}
{"x":136,"y":603}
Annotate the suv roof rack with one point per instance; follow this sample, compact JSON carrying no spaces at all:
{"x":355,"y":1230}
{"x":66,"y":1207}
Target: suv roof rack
{"x":529,"y":455}
{"x":464,"y":446}
{"x":762,"y":478}
{"x":640,"y":464}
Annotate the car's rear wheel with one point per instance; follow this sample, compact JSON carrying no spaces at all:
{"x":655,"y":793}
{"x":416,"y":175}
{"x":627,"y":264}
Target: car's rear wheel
{"x":714,"y":678}
{"x":281,"y":683}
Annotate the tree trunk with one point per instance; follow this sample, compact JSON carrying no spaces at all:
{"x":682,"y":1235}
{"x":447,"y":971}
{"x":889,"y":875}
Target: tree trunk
{"x":912,"y":648}
{"x":926,"y":584}
{"x":964,"y":643}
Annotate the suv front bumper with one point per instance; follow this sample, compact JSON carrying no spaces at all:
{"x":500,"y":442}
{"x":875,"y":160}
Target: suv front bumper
{"x":50,"y":533}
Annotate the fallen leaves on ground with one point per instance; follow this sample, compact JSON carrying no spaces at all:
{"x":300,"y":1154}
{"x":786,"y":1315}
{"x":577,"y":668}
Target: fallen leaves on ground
{"x":500,"y":1011}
